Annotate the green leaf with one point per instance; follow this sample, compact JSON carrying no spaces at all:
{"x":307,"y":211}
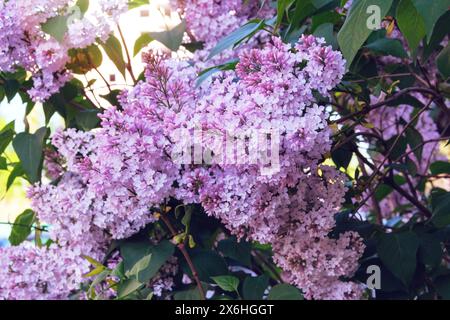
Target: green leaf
{"x":430,"y":250}
{"x":88,"y":119}
{"x":93,"y":262}
{"x":326,"y":31}
{"x":442,"y":285}
{"x":159,"y":256}
{"x":140,"y":266}
{"x":227,"y":283}
{"x":127,"y":287}
{"x":173,"y":38}
{"x":441,"y":210}
{"x":415,"y":141}
{"x":137,"y":3}
{"x":29,"y":148}
{"x":56,"y":27}
{"x":112,"y":97}
{"x":398,"y":252}
{"x":431,"y":11}
{"x":355,"y":32}
{"x":382,"y":192}
{"x":16,"y":172}
{"x":190,"y":294}
{"x":83,"y":5}
{"x":205,"y":74}
{"x":208,"y":264}
{"x":142,"y":42}
{"x":143,"y":260}
{"x":237,"y":36}
{"x":3,"y":164}
{"x":284,"y":291}
{"x":22,"y":227}
{"x":254,"y":287}
{"x":113,"y":49}
{"x":342,"y":156}
{"x":239,"y":251}
{"x":5,"y":139}
{"x":386,"y":46}
{"x":439,"y":167}
{"x":411,"y":24}
{"x":443,"y":62}
{"x":11,"y":87}
{"x":281,"y":9}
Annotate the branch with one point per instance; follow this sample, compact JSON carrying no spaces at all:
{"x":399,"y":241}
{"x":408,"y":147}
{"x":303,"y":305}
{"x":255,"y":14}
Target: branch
{"x":183,"y":250}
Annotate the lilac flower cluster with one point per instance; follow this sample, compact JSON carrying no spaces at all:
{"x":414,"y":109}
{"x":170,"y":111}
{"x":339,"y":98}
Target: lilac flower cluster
{"x":24,"y":44}
{"x":31,"y":273}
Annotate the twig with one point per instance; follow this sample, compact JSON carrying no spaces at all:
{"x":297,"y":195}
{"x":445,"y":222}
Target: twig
{"x":183,"y":250}
{"x":129,"y":66}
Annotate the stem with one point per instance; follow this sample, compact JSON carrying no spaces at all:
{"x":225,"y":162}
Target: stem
{"x":183,"y":250}
{"x":385,"y":102}
{"x":127,"y":52}
{"x":23,"y":225}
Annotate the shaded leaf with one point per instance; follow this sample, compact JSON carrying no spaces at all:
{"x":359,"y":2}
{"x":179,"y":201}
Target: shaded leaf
{"x":398,"y":251}
{"x":284,"y":291}
{"x":227,"y":283}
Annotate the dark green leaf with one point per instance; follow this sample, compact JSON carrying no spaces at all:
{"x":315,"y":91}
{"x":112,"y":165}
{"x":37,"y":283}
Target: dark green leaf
{"x":281,"y":10}
{"x":143,"y":260}
{"x":171,"y":38}
{"x":11,"y":87}
{"x":442,"y":285}
{"x":398,"y":251}
{"x":159,"y":256}
{"x":3,"y":164}
{"x":16,"y":172}
{"x":5,"y":139}
{"x":441,"y":210}
{"x":254,"y":287}
{"x":411,"y":24}
{"x":386,"y":46}
{"x":208,"y":264}
{"x":113,"y":49}
{"x":430,"y":12}
{"x":440,"y":167}
{"x":430,"y":250}
{"x":227,"y":283}
{"x":88,"y":119}
{"x":443,"y":62}
{"x":285,"y":291}
{"x":415,"y":141}
{"x":190,"y":294}
{"x":29,"y":148}
{"x":22,"y":227}
{"x":239,"y":251}
{"x":112,"y":97}
{"x":326,"y":31}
